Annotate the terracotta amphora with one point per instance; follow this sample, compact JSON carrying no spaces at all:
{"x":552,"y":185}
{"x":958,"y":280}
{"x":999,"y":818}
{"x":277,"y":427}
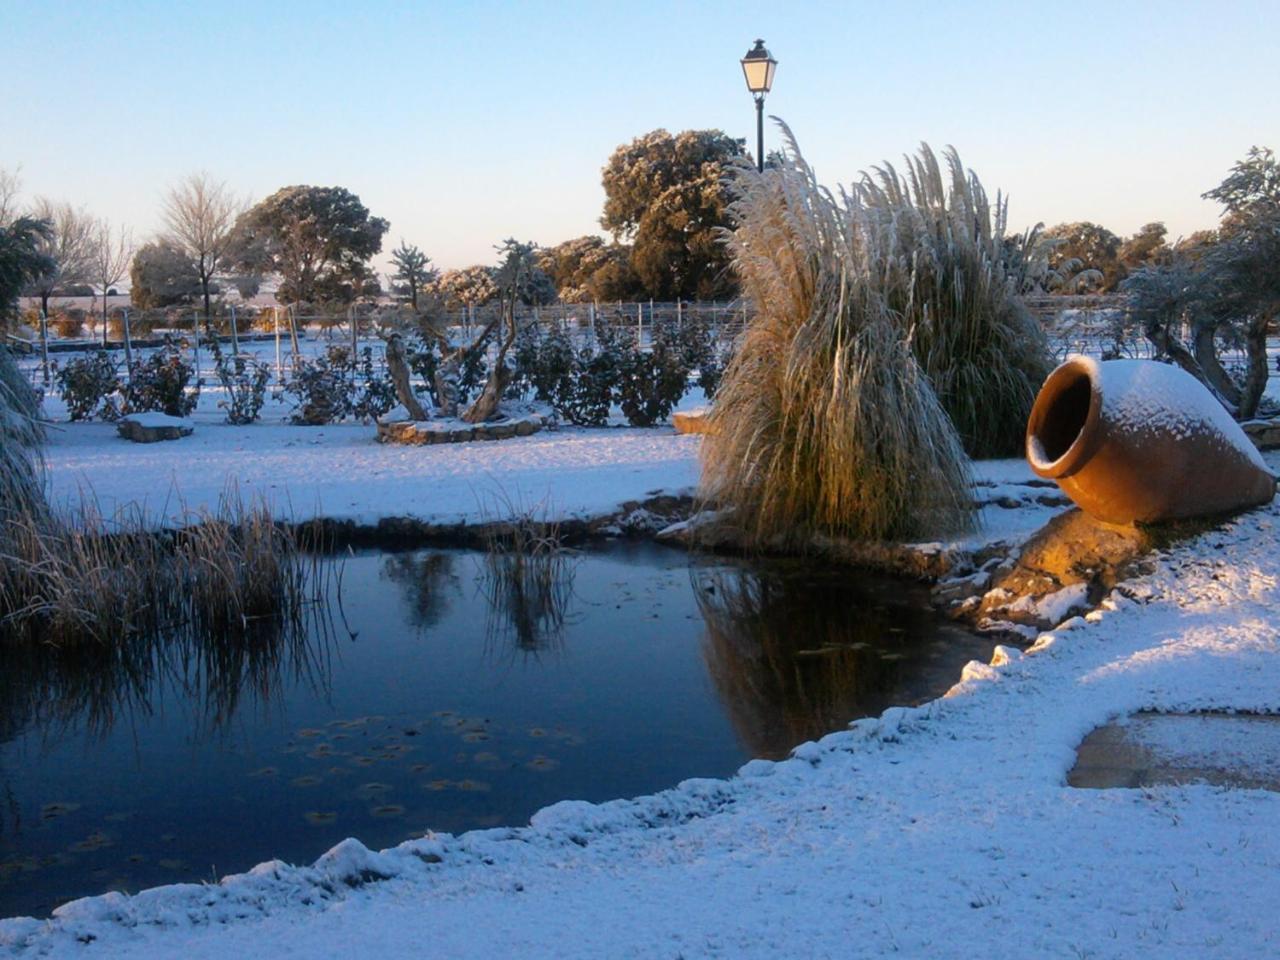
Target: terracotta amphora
{"x":1136,"y":441}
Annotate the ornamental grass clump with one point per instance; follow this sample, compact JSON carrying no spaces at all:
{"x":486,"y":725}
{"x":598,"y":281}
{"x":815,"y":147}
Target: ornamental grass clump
{"x":825,"y":422}
{"x":936,"y":250}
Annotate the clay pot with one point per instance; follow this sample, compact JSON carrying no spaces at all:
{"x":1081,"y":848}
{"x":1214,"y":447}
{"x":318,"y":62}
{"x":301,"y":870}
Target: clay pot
{"x":1135,"y":441}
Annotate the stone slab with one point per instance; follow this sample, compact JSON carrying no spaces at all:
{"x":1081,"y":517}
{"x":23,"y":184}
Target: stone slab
{"x":1173,"y":749}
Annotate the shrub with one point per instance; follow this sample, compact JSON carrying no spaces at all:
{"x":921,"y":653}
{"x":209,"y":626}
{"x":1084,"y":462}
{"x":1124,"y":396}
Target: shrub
{"x":87,"y":385}
{"x":653,"y":382}
{"x":245,"y":380}
{"x":68,"y":324}
{"x":423,"y":360}
{"x":162,"y":382}
{"x":377,"y":394}
{"x":323,"y":392}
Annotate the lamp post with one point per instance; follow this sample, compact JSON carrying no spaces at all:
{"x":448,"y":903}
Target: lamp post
{"x":758,"y":67}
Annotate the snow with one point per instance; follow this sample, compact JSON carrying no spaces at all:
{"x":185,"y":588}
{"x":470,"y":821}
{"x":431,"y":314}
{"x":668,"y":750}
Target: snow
{"x":341,"y":471}
{"x":154,"y":419}
{"x":945,"y":830}
{"x":1144,"y":396}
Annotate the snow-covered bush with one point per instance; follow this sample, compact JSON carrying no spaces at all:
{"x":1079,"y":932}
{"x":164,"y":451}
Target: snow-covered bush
{"x":87,"y":385}
{"x":245,"y":380}
{"x":162,"y":382}
{"x":653,"y":382}
{"x":376,"y":393}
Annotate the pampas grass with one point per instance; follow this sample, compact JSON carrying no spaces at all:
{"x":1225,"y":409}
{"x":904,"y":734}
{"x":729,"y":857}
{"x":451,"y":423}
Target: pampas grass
{"x":936,"y":248}
{"x":20,"y":439}
{"x":825,"y":421}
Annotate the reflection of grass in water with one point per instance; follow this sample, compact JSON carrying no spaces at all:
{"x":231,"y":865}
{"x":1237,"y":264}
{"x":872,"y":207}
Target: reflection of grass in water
{"x":527,"y":579}
{"x":214,"y":661}
{"x":788,"y":666}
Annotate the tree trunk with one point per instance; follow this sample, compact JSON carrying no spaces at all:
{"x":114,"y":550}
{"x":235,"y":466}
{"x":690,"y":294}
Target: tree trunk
{"x":1168,"y":344}
{"x":208,"y":320}
{"x":1255,"y":383}
{"x":486,"y":404}
{"x":398,"y":365}
{"x":1206,"y":354}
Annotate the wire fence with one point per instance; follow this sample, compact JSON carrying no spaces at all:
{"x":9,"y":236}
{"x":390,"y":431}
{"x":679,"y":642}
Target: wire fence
{"x":1096,"y":325}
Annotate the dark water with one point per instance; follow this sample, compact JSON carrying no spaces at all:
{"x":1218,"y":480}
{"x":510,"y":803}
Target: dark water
{"x":463,"y":700}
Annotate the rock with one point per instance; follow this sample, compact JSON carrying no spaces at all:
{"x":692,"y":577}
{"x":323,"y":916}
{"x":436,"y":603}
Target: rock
{"x":1265,"y":434}
{"x":153,"y":427}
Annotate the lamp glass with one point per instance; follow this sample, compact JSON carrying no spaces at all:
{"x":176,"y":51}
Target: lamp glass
{"x":759,"y":73}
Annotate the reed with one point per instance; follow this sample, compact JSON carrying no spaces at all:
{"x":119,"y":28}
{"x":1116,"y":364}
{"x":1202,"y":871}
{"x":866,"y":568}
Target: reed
{"x":527,"y":578}
{"x":826,"y":421}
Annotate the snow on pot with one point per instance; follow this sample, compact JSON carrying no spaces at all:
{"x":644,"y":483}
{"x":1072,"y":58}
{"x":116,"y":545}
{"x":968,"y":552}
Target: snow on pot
{"x":1139,"y":441}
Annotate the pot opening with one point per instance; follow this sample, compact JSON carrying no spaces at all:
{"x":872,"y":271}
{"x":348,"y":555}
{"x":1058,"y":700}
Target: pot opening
{"x":1065,"y":417}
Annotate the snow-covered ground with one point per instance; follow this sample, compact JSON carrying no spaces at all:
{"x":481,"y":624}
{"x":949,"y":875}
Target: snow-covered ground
{"x":941,"y":831}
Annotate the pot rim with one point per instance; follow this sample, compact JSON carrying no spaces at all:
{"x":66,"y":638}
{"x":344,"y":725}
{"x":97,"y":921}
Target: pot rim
{"x":1086,"y":441}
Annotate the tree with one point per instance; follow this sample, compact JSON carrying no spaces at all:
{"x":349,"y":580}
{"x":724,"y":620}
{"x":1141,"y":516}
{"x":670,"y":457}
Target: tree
{"x":200,"y":214}
{"x":1146,"y":246}
{"x":512,"y":278}
{"x":67,"y":247}
{"x":466,"y":287}
{"x":587,"y":268}
{"x":318,"y":240}
{"x":109,"y":256}
{"x":413,"y":270}
{"x":1244,"y":263}
{"x":21,"y":259}
{"x":10,"y":187}
{"x":1224,"y":280}
{"x":1093,"y":246}
{"x":667,"y":195}
{"x":162,"y":275}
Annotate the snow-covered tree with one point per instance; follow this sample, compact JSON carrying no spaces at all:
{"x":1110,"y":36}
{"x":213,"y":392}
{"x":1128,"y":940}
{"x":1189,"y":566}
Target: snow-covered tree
{"x":413,"y":271}
{"x":666,"y":194}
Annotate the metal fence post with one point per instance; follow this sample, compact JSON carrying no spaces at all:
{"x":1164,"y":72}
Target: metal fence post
{"x":44,"y":347}
{"x":128,"y":341}
{"x":195,"y":327}
{"x":235,"y":336}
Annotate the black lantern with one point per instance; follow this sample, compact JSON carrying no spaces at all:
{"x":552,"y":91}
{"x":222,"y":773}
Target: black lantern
{"x":758,"y":67}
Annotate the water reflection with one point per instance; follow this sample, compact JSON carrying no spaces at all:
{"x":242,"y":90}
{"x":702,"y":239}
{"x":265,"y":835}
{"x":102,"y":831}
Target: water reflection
{"x":92,"y":687}
{"x":795,"y":654}
{"x":161,"y":760}
{"x":429,"y":581}
{"x":528,"y":598}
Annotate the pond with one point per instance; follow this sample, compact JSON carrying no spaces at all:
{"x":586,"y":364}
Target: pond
{"x":443,"y":694}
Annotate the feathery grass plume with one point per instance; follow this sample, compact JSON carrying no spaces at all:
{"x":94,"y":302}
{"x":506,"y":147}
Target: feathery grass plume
{"x":824,"y":422}
{"x":937,"y":249}
{"x":20,"y":439}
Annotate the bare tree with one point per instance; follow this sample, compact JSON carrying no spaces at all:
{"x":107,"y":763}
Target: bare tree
{"x":200,"y":214}
{"x":68,"y":246}
{"x":10,"y":183}
{"x":109,"y":257}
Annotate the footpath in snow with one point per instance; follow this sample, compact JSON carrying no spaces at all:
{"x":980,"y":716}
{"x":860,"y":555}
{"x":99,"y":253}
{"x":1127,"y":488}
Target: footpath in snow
{"x":941,"y":831}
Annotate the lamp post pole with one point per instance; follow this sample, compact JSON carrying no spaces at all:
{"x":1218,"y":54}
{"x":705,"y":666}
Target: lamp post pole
{"x":760,"y":132}
{"x":758,"y":67}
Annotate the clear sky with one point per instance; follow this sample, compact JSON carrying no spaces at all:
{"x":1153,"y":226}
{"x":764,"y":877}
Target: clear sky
{"x":465,"y":123}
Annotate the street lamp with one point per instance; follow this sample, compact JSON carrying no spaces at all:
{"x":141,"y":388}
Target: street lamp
{"x":758,"y":67}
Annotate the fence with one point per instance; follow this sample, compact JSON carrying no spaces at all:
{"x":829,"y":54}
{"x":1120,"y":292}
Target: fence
{"x":1094,"y":324}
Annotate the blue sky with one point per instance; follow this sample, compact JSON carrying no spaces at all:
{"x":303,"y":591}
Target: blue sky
{"x":464,"y":123}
